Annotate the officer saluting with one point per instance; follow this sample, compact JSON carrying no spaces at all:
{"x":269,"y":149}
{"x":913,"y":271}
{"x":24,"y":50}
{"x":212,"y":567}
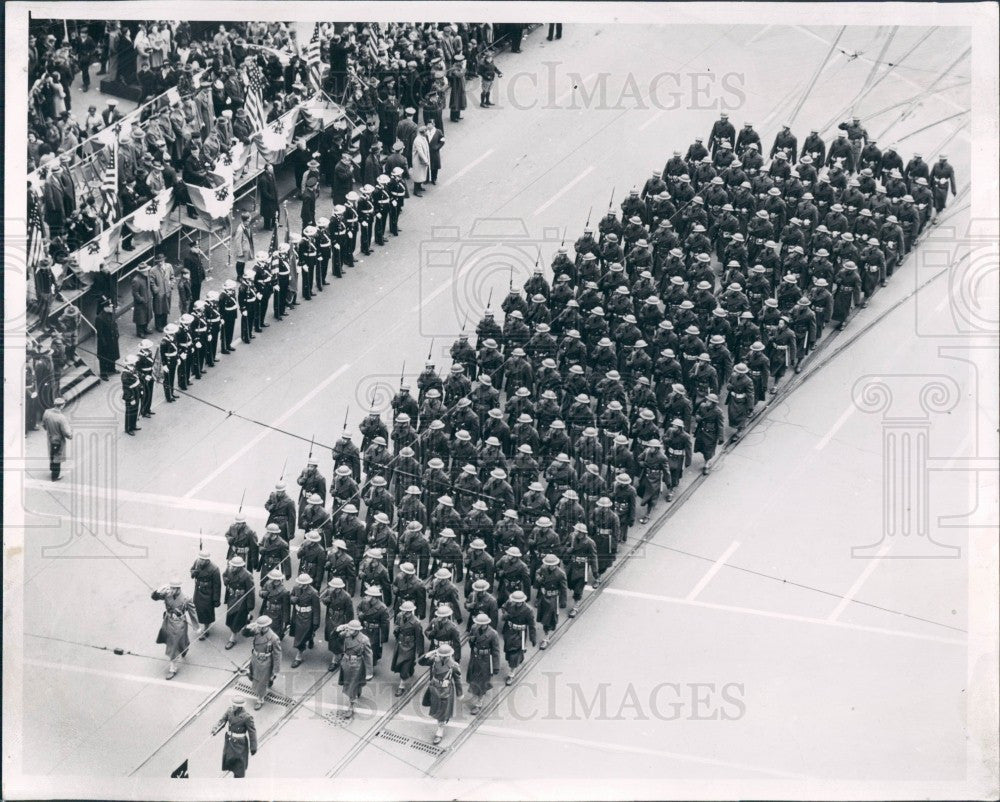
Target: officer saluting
{"x":241,"y":737}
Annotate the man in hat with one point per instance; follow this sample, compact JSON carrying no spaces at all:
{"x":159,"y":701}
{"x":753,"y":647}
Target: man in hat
{"x":356,"y":665}
{"x":142,"y":300}
{"x":339,"y":610}
{"x":374,"y":616}
{"x":484,"y":657}
{"x":58,"y":431}
{"x":488,"y":73}
{"x":207,"y":590}
{"x":241,"y":737}
{"x":443,"y":629}
{"x":409,"y":637}
{"x":265,"y":657}
{"x":131,"y":394}
{"x":275,"y":601}
{"x":240,"y":596}
{"x":709,"y":429}
{"x":161,"y":280}
{"x":311,"y":482}
{"x":305,"y":611}
{"x":518,"y":629}
{"x":444,"y":686}
{"x":179,"y":609}
{"x":581,"y":558}
{"x":308,"y":192}
{"x":551,"y":581}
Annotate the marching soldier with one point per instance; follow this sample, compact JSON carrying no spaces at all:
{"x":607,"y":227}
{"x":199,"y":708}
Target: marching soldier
{"x":241,"y":737}
{"x":240,"y":599}
{"x":604,"y":524}
{"x":174,"y":629}
{"x":273,"y":551}
{"x":311,"y":482}
{"x":518,"y":630}
{"x":551,"y":582}
{"x":281,"y":511}
{"x":484,"y":658}
{"x":305,"y":606}
{"x":409,"y":637}
{"x":582,"y":564}
{"x":442,"y":629}
{"x":207,"y":591}
{"x":357,"y":664}
{"x":709,"y":429}
{"x":275,"y":601}
{"x":339,"y":610}
{"x":374,"y":617}
{"x":265,"y":657}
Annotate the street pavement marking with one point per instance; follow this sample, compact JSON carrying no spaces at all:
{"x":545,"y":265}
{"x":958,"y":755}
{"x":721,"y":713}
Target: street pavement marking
{"x":825,"y":440}
{"x":155,"y":499}
{"x":564,"y":190}
{"x":572,"y":89}
{"x":637,"y":750}
{"x":170,"y":683}
{"x":703,"y":582}
{"x":176,"y":532}
{"x":238,"y":455}
{"x":849,"y":596}
{"x":513,"y":732}
{"x":467,"y":168}
{"x":785,"y":616}
{"x":651,"y":120}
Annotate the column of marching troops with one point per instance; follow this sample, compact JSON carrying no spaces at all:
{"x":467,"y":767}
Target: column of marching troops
{"x":277,"y":279}
{"x":520,"y":472}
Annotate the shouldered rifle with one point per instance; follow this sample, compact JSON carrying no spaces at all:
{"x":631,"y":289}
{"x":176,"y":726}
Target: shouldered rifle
{"x":489,"y":299}
{"x":612,"y":198}
{"x":589,"y":213}
{"x":346,"y":413}
{"x":430,"y":351}
{"x":402,"y":373}
{"x":283,"y":467}
{"x":242,"y":499}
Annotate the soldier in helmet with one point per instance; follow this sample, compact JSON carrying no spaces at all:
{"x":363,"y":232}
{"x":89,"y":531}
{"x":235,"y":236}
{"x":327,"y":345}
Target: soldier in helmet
{"x":519,"y":629}
{"x":581,"y":560}
{"x":409,"y":636}
{"x":178,"y":609}
{"x":265,"y":657}
{"x":551,"y":582}
{"x":374,"y":617}
{"x":241,"y":737}
{"x":339,"y":610}
{"x":275,"y":601}
{"x":240,"y":599}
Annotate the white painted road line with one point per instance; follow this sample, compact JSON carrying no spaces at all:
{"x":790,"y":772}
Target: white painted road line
{"x":826,"y":438}
{"x":564,"y":190}
{"x":468,"y":167}
{"x":785,"y":616}
{"x":238,"y":455}
{"x":651,"y":120}
{"x":716,"y":566}
{"x":155,"y":499}
{"x":635,"y":750}
{"x":116,"y":675}
{"x":849,"y":596}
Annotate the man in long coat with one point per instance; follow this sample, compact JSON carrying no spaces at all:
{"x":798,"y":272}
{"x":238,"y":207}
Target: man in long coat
{"x":456,"y":83}
{"x":356,"y":666}
{"x":207,"y":590}
{"x":435,"y":141}
{"x":58,"y":430}
{"x":265,"y":657}
{"x":268,"y":189}
{"x":161,"y":281}
{"x":142,"y":301}
{"x":420,"y":171}
{"x":444,"y":686}
{"x":241,"y":738}
{"x":174,"y":629}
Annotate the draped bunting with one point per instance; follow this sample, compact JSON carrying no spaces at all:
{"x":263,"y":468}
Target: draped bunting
{"x":275,"y":140}
{"x":150,"y":216}
{"x":216,"y":202}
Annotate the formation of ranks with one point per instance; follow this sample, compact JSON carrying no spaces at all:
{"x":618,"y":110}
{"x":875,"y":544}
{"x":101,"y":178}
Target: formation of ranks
{"x":496,"y":492}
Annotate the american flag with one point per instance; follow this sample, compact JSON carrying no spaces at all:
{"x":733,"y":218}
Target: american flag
{"x":36,"y":236}
{"x":274,"y":241}
{"x":255,"y":96}
{"x":313,"y":60}
{"x":109,"y":184}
